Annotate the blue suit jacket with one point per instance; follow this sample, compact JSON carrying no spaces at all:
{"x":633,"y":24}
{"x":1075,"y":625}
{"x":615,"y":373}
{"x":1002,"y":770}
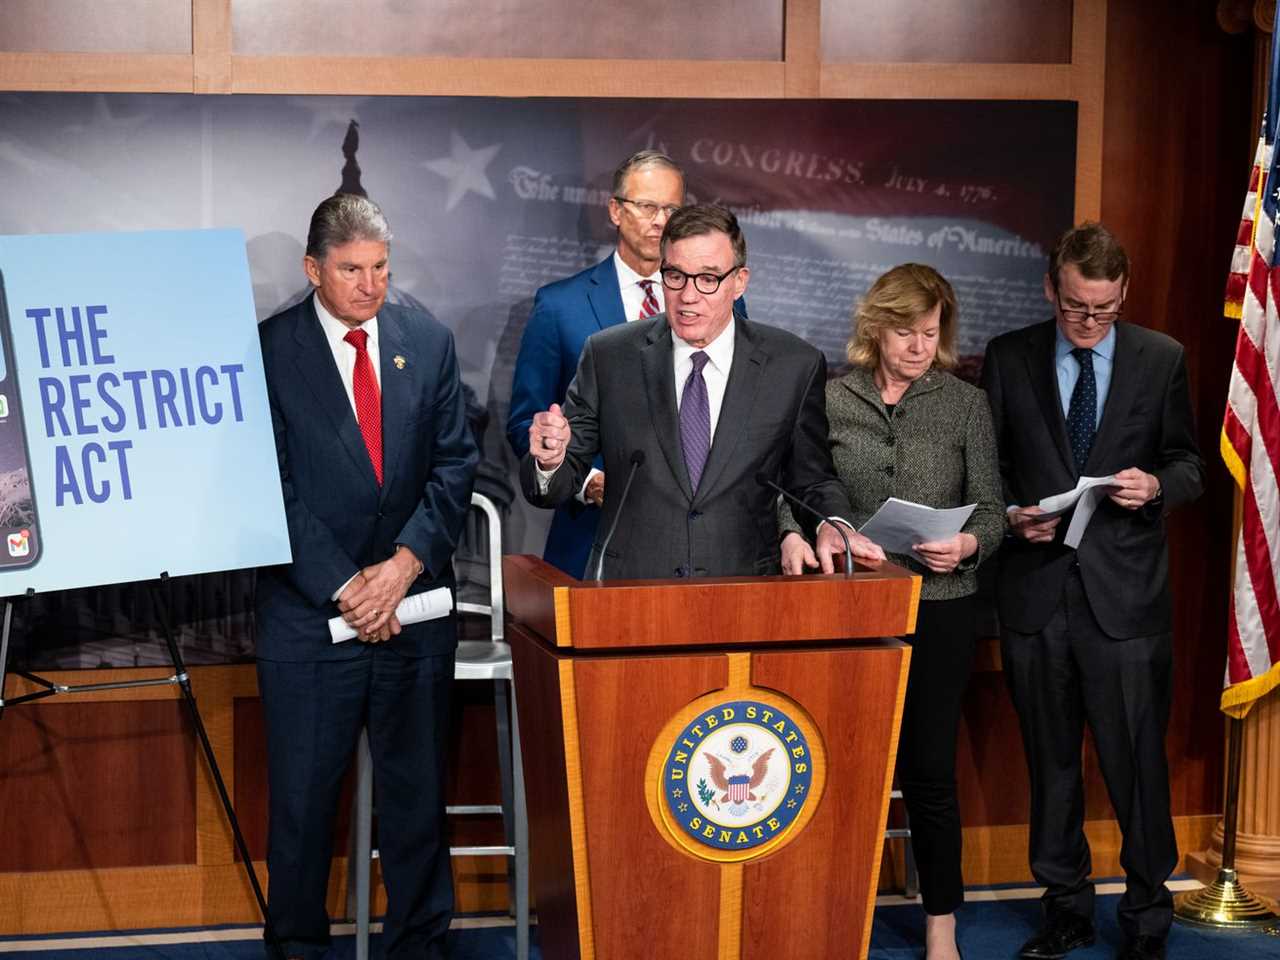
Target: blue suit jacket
{"x":339,"y":519}
{"x":564,"y":314}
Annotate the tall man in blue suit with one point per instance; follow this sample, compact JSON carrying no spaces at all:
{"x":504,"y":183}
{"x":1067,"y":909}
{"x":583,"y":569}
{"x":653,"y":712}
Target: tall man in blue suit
{"x":647,"y":188}
{"x":376,"y":464}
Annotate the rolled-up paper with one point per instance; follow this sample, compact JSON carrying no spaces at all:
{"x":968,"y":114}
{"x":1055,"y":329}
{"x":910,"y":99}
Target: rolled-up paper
{"x":412,"y":609}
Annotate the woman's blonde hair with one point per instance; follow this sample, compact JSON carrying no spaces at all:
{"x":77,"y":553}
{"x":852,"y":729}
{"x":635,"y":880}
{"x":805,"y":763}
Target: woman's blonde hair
{"x":897,"y":300}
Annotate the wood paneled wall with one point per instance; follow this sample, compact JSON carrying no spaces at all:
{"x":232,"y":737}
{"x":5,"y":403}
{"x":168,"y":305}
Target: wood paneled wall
{"x":111,"y":820}
{"x":1178,"y":143}
{"x":1164,"y":142}
{"x":69,"y":801}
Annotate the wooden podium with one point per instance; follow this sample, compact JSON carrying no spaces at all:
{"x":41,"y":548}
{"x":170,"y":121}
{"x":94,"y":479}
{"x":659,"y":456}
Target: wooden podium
{"x":708,"y":762}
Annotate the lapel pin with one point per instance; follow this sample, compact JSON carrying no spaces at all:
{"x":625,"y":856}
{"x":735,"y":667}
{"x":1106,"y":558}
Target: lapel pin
{"x":399,"y":361}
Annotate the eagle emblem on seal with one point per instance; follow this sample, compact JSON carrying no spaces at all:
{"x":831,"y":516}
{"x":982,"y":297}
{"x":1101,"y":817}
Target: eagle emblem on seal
{"x":738,"y":788}
{"x":736,"y":778}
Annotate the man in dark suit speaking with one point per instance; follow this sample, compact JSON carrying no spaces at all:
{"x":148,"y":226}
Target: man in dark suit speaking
{"x":647,"y":188}
{"x":376,"y":465}
{"x":1087,"y":633}
{"x":705,"y":402}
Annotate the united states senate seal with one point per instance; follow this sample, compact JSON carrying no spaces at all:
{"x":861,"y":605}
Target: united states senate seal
{"x":738,"y":777}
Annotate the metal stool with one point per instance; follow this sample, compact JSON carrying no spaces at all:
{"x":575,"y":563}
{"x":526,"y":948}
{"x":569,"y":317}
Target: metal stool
{"x":476,"y":660}
{"x":911,"y":879}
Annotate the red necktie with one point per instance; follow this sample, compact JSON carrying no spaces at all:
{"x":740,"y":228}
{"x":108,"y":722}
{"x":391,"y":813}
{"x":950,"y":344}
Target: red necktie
{"x":368,"y":404}
{"x":650,"y":307}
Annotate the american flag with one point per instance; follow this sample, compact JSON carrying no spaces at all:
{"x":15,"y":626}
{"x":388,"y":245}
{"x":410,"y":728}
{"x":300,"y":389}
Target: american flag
{"x":1251,"y":428}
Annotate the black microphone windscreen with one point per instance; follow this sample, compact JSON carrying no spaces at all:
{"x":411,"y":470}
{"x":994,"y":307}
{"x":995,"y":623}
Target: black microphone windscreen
{"x":637,"y":457}
{"x":764,"y":479}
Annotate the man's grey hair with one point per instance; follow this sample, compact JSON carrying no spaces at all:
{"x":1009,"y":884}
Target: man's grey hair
{"x":345,"y":218}
{"x":639,"y":161}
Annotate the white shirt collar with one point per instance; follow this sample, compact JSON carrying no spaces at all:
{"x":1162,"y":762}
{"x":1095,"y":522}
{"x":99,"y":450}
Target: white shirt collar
{"x":627,"y":277}
{"x":335,"y":330}
{"x":719,"y":351}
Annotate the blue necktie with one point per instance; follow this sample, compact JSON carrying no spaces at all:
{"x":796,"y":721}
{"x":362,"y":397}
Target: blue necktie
{"x":695,"y":420}
{"x":1082,"y":414}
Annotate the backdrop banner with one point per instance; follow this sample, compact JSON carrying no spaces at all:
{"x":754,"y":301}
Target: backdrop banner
{"x":491,"y":198}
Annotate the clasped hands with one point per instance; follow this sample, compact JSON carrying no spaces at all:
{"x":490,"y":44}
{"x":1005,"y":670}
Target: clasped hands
{"x":368,"y":603}
{"x":1133,"y":488}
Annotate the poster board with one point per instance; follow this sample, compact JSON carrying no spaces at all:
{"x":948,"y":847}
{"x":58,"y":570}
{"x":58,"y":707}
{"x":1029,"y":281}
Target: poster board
{"x":135,"y":433}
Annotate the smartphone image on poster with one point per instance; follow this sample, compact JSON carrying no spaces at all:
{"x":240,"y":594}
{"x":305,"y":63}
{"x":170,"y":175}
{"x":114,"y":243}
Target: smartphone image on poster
{"x":19,"y":532}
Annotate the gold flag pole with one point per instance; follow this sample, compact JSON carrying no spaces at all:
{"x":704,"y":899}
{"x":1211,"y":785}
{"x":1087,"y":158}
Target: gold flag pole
{"x":1226,"y":904}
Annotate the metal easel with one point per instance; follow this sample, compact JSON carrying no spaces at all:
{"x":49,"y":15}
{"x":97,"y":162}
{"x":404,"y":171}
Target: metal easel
{"x":163,"y":590}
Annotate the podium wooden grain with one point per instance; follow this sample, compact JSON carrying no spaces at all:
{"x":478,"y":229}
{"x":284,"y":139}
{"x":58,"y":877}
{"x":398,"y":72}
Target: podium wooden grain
{"x":601,"y":671}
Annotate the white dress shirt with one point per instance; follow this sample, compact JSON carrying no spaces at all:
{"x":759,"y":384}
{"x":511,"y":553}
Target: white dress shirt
{"x":344,"y":354}
{"x":716,"y":372}
{"x":632,"y":292}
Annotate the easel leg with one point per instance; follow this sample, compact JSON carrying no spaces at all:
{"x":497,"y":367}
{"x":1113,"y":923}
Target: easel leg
{"x":4,"y":650}
{"x":184,"y":683}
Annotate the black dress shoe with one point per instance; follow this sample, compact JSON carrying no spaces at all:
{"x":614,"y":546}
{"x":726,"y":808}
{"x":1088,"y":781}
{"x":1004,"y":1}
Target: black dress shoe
{"x":1143,"y":947}
{"x":1061,"y":934}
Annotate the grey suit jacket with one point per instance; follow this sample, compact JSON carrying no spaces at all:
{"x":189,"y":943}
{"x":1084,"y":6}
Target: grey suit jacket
{"x":772,"y":421}
{"x":1146,"y":423}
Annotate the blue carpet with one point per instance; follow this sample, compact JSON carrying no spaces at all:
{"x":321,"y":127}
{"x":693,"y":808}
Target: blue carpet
{"x":996,"y":929}
{"x":989,"y":930}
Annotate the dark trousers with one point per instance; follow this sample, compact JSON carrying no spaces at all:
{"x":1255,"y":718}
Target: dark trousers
{"x":1066,"y":675}
{"x":941,"y":658}
{"x":314,"y":713}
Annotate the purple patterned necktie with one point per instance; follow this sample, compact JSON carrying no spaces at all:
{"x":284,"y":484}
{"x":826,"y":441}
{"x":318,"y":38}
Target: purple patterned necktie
{"x":695,"y":420}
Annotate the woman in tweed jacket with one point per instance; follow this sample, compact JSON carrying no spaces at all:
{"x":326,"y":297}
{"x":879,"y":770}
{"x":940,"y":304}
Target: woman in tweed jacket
{"x":902,"y":426}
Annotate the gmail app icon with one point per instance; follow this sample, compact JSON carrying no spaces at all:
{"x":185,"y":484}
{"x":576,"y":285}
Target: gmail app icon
{"x":20,"y":543}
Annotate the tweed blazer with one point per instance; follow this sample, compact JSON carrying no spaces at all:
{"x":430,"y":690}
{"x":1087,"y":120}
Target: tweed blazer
{"x":937,"y":448}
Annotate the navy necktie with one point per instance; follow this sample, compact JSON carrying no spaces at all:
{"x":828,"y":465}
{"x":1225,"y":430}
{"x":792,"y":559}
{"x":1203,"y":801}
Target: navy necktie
{"x":1082,"y":414}
{"x":695,"y":420}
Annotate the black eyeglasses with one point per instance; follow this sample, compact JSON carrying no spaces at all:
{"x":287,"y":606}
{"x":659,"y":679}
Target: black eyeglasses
{"x":647,"y":209}
{"x":1101,"y":317}
{"x":673,"y":278}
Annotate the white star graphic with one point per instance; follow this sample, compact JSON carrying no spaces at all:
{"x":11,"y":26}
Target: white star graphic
{"x":464,"y":169}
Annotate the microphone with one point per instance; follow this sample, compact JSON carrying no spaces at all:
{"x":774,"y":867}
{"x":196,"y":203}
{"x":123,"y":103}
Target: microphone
{"x":637,"y":460}
{"x":764,"y":481}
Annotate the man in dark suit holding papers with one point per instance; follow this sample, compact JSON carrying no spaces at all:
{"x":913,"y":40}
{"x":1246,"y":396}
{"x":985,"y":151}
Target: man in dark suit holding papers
{"x":376,"y":466}
{"x":1087,"y":633}
{"x":710,"y":402}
